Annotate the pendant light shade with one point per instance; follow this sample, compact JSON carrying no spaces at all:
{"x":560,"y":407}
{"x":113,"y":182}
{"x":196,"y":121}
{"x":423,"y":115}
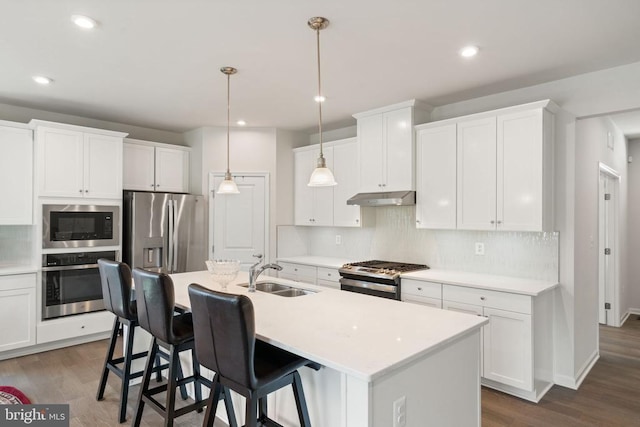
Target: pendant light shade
{"x":228,"y":186}
{"x":322,"y":175}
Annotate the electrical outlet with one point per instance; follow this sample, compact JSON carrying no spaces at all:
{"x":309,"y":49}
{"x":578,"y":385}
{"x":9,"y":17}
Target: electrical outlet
{"x":338,"y":239}
{"x":400,"y":412}
{"x":479,"y":248}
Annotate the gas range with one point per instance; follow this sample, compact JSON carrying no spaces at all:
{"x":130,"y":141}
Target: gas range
{"x":375,"y":277}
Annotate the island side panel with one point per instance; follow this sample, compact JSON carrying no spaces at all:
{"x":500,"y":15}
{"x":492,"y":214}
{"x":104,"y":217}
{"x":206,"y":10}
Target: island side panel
{"x":442,"y":389}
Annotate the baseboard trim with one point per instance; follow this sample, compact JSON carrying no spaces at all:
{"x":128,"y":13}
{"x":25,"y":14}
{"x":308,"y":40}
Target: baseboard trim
{"x":54,"y":345}
{"x":574,"y":383}
{"x":624,"y":318}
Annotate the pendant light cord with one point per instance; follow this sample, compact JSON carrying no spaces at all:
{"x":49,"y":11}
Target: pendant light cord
{"x":319,"y":93}
{"x":228,"y":117}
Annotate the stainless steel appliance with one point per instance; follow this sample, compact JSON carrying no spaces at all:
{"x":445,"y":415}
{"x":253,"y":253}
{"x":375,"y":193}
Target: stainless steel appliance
{"x":71,"y":283}
{"x":377,"y":278}
{"x":80,"y":226}
{"x":164,"y":232}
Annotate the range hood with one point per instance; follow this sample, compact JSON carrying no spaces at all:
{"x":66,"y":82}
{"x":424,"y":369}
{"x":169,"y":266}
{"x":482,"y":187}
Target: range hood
{"x":392,"y":198}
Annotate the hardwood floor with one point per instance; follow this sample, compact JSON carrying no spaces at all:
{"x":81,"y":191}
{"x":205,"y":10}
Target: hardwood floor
{"x":609,"y":396}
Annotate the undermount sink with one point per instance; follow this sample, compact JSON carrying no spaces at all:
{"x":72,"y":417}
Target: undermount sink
{"x":279,"y":289}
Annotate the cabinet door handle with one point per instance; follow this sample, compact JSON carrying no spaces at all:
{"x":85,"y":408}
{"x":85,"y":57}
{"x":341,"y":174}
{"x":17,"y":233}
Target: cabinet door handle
{"x":499,"y":222}
{"x":357,"y":221}
{"x":482,"y":298}
{"x":417,"y":221}
{"x":493,"y":222}
{"x":80,"y":190}
{"x":329,"y":274}
{"x":152,"y":185}
{"x":86,"y":191}
{"x":419,"y":289}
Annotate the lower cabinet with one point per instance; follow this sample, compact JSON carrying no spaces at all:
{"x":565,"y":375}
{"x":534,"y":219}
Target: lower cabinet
{"x":75,"y":326}
{"x":419,"y":292}
{"x":516,"y":343}
{"x":304,"y":273}
{"x":17,"y":311}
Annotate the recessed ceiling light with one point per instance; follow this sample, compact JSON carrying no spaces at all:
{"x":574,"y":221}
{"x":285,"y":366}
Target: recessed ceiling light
{"x":469,"y":51}
{"x":84,"y":22}
{"x":241,"y":123}
{"x":319,"y":98}
{"x":42,"y":80}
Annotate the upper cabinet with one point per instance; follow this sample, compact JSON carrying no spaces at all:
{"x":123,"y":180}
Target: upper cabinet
{"x":488,"y":171}
{"x":152,"y":166}
{"x":74,"y":161}
{"x":16,"y":164}
{"x":327,"y":206}
{"x":386,"y":146}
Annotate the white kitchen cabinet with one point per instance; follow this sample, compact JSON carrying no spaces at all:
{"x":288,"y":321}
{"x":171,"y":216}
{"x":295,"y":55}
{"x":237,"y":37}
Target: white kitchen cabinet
{"x":298,"y":272}
{"x":150,"y":166}
{"x":73,"y":327}
{"x":346,"y":172}
{"x":312,"y":205}
{"x":17,"y":311}
{"x":16,"y":164}
{"x":421,"y":292}
{"x":476,"y":170}
{"x":436,"y":156}
{"x":329,"y":277}
{"x":505,"y":169}
{"x":516,"y":344}
{"x":386,"y":146}
{"x":73,"y":161}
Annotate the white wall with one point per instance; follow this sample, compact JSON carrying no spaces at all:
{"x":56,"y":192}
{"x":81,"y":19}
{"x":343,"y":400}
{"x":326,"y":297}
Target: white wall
{"x":25,"y":115}
{"x":633,"y":227}
{"x":251,"y":150}
{"x":591,"y":149}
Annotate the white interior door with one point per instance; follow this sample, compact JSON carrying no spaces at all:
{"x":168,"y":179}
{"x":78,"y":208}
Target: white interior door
{"x":239,"y":221}
{"x":608,"y":306}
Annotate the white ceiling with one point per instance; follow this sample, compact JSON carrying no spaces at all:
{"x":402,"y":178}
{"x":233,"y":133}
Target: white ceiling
{"x":155,"y":63}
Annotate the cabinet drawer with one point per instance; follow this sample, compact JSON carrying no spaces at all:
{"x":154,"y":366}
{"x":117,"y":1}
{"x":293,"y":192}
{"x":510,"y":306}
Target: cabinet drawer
{"x":74,"y":326}
{"x":298,"y":269}
{"x":17,"y":281}
{"x":328,"y":283}
{"x":330,"y":274}
{"x":420,"y":288}
{"x":431,"y":302}
{"x":494,"y":299}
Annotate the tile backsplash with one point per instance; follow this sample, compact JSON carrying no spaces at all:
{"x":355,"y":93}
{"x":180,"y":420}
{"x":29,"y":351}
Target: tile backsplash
{"x":15,"y":245}
{"x":394,"y":237}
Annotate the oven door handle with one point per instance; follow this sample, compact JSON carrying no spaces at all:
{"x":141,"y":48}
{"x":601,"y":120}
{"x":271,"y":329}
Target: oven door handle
{"x":70,"y":267}
{"x":369,"y":285}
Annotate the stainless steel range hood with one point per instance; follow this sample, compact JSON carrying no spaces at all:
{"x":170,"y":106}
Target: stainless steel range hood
{"x":392,"y":198}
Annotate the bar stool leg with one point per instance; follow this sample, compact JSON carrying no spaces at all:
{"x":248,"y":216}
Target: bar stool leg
{"x":251,"y":413}
{"x":212,"y":404}
{"x":108,"y":359}
{"x":174,"y":363}
{"x":228,"y":404}
{"x":301,"y":403}
{"x":197,"y":383}
{"x":145,"y":382}
{"x":262,"y":408}
{"x":126,"y":373}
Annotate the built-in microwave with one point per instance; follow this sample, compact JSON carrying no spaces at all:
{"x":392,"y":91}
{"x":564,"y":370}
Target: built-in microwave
{"x":80,"y":226}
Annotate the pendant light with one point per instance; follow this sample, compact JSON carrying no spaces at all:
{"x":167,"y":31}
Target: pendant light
{"x":322,"y":175}
{"x":228,"y":186}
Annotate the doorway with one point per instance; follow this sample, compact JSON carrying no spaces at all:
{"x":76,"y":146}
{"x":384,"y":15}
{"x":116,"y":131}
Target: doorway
{"x":608,"y":248}
{"x":239,"y":223}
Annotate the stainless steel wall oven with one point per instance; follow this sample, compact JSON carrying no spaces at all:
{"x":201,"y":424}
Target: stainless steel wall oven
{"x":71,"y":283}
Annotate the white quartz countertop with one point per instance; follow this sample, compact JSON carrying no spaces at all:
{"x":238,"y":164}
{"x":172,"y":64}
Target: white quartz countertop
{"x":359,"y":335}
{"x":484,"y":281}
{"x":317,"y":261}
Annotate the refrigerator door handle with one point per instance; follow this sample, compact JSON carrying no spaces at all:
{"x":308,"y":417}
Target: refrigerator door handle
{"x":170,"y":236}
{"x":174,"y":237}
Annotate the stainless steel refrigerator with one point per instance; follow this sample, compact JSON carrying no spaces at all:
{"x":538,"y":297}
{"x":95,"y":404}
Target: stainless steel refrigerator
{"x":164,"y":232}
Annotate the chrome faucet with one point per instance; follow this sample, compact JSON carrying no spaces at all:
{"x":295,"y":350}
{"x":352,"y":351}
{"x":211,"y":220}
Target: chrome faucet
{"x":255,"y":271}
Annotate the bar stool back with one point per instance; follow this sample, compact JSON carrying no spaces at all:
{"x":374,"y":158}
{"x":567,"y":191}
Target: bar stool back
{"x":224,"y":327}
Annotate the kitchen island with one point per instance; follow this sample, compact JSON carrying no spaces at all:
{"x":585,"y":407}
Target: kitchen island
{"x":378,"y":356}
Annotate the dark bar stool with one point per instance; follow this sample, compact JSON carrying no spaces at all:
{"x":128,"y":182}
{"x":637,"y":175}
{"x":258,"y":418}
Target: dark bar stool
{"x":156,"y":304}
{"x":118,"y":299}
{"x":224,"y":327}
